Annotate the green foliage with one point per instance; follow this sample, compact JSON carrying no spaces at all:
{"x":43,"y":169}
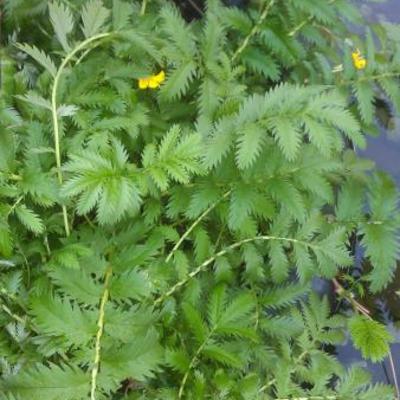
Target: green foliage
{"x":55,"y":317}
{"x":94,"y":16}
{"x":161,"y":243}
{"x":53,"y":382}
{"x":104,"y":183}
{"x":40,"y":56}
{"x":380,"y":232}
{"x":28,"y":217}
{"x":370,"y":337}
{"x":63,"y":23}
{"x":175,"y":158}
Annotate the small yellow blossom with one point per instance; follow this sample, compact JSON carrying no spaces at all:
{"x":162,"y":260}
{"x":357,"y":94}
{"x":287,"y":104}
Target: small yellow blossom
{"x":358,"y":60}
{"x":153,"y":81}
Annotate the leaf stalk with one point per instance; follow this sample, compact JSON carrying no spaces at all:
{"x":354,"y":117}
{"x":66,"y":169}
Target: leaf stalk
{"x":56,"y":127}
{"x":195,"y":223}
{"x":254,"y":31}
{"x":221,"y":253}
{"x":100,"y":325}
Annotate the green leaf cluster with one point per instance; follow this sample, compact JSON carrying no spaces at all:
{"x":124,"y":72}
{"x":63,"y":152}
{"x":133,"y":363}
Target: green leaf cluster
{"x":162,"y":243}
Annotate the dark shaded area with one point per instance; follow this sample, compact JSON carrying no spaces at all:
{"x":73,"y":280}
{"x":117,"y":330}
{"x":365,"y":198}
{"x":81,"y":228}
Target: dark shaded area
{"x":191,"y":9}
{"x":194,"y":9}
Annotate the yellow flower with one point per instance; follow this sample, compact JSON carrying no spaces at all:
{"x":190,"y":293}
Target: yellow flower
{"x":153,"y":81}
{"x":358,"y":60}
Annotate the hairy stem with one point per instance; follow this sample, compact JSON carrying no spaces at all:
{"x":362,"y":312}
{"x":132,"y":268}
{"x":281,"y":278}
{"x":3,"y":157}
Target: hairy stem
{"x":100,"y":325}
{"x":195,"y":223}
{"x":221,"y":253}
{"x":394,"y":375}
{"x":341,"y":291}
{"x":15,"y":205}
{"x":304,"y":22}
{"x":273,"y":381}
{"x":56,"y":128}
{"x":193,"y":361}
{"x":299,"y":26}
{"x":255,"y":29}
{"x":371,"y":78}
{"x":12,"y":315}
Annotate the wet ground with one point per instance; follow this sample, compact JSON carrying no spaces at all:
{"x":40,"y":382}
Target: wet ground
{"x":388,"y":10}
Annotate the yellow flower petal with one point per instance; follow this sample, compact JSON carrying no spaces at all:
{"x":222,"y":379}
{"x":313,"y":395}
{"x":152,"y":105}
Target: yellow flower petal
{"x":361,"y":63}
{"x":358,"y":60}
{"x":160,"y":77}
{"x":153,"y":84}
{"x":153,"y":81}
{"x":143,"y":83}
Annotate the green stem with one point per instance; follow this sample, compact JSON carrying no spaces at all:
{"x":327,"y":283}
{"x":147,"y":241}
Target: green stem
{"x":143,"y":8}
{"x":12,"y":177}
{"x":257,"y":310}
{"x":298,"y":27}
{"x":255,"y":29}
{"x":193,"y":361}
{"x":195,"y":223}
{"x":100,"y":325}
{"x":56,"y":128}
{"x":221,"y":253}
{"x":272,"y":381}
{"x":15,"y":205}
{"x":14,"y":298}
{"x":372,"y":78}
{"x":305,"y":22}
{"x":12,"y":315}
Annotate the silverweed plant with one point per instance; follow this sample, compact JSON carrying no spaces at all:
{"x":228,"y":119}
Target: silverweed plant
{"x":169,"y":190}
